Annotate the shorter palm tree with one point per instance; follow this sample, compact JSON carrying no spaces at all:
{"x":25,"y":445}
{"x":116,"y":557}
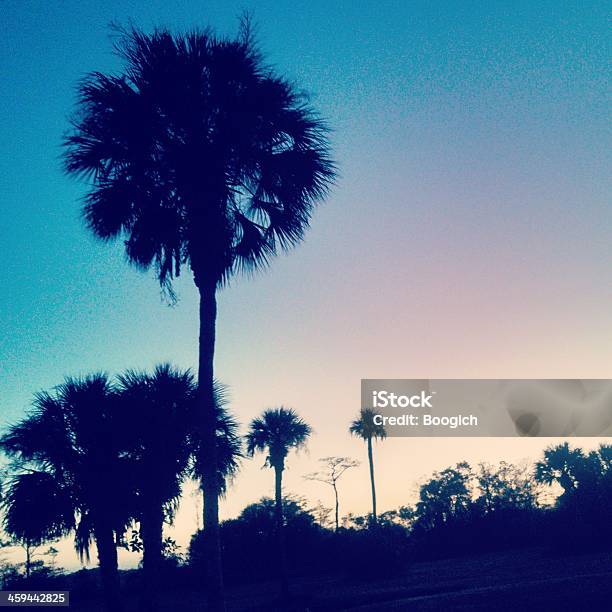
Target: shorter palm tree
{"x":71,"y":444}
{"x":365,"y":428}
{"x":276,"y":432}
{"x":165,"y":447}
{"x":159,"y":411}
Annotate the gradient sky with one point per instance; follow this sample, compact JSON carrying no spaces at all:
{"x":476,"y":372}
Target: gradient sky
{"x":468,"y":235}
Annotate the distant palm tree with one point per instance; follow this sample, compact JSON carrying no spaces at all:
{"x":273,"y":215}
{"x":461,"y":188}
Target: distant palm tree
{"x":72,"y":474}
{"x":276,"y":432}
{"x":560,"y":464}
{"x":198,"y":154}
{"x":365,"y":428}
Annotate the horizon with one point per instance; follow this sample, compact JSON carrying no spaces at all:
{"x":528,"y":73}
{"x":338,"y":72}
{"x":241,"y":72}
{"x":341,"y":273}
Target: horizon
{"x":466,"y":237}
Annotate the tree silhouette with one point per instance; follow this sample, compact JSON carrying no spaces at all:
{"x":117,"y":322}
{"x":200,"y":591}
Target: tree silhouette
{"x":198,"y":154}
{"x":276,"y":432}
{"x":158,"y":409}
{"x":70,"y":465}
{"x":446,"y":495}
{"x":36,"y":510}
{"x":562,"y":465}
{"x":334,"y":467}
{"x":365,"y":428}
{"x":504,"y":486}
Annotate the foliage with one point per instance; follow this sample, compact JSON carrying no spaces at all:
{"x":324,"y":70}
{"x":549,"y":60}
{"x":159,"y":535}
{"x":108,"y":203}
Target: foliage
{"x":277,"y":431}
{"x":197,"y":153}
{"x":229,"y":443}
{"x":364,"y":427}
{"x":71,"y":444}
{"x":41,"y":577}
{"x":444,"y":496}
{"x":253,"y":535}
{"x":332,"y":469}
{"x":159,"y":411}
{"x":582,"y":517}
{"x":504,"y":486}
{"x":560,"y":464}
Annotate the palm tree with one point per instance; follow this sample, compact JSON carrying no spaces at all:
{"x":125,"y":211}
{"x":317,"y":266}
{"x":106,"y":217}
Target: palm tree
{"x":36,"y":510}
{"x":365,"y":428}
{"x":561,"y":464}
{"x":198,"y":154}
{"x":276,"y":432}
{"x":71,"y":473}
{"x":158,"y":411}
{"x":164,"y":448}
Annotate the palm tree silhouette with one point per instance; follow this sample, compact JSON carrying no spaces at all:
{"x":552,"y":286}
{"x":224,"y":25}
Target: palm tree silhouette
{"x":560,"y":464}
{"x":277,"y":431}
{"x":69,"y":463}
{"x":158,"y":410}
{"x":29,"y":518}
{"x":365,"y":428}
{"x":198,"y":154}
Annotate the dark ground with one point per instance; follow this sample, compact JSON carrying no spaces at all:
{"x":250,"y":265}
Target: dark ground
{"x":518,"y":581}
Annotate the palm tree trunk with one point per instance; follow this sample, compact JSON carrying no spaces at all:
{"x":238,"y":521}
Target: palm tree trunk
{"x":107,"y":560}
{"x":337,"y":505}
{"x":208,"y":316}
{"x":151,"y":530}
{"x":371,"y":460}
{"x":280,"y":532}
{"x":28,"y":564}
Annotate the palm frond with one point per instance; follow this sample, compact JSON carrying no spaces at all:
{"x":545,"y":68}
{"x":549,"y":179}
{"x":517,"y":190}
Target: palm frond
{"x":365,"y":427}
{"x":277,"y":431}
{"x":197,"y":153}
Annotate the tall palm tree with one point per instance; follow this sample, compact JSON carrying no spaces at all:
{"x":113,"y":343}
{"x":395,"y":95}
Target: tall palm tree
{"x":198,"y":154}
{"x":365,"y":428}
{"x":71,"y":444}
{"x":276,"y":432}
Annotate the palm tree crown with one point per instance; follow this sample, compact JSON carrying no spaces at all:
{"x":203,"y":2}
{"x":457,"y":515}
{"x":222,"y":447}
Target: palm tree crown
{"x":158,"y":408}
{"x":36,"y":508}
{"x":560,"y":464}
{"x":364,"y":427}
{"x":197,"y":154}
{"x":277,"y":430}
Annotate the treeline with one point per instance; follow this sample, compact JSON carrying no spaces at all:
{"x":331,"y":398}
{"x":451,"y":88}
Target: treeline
{"x":561,"y":504}
{"x":104,"y":460}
